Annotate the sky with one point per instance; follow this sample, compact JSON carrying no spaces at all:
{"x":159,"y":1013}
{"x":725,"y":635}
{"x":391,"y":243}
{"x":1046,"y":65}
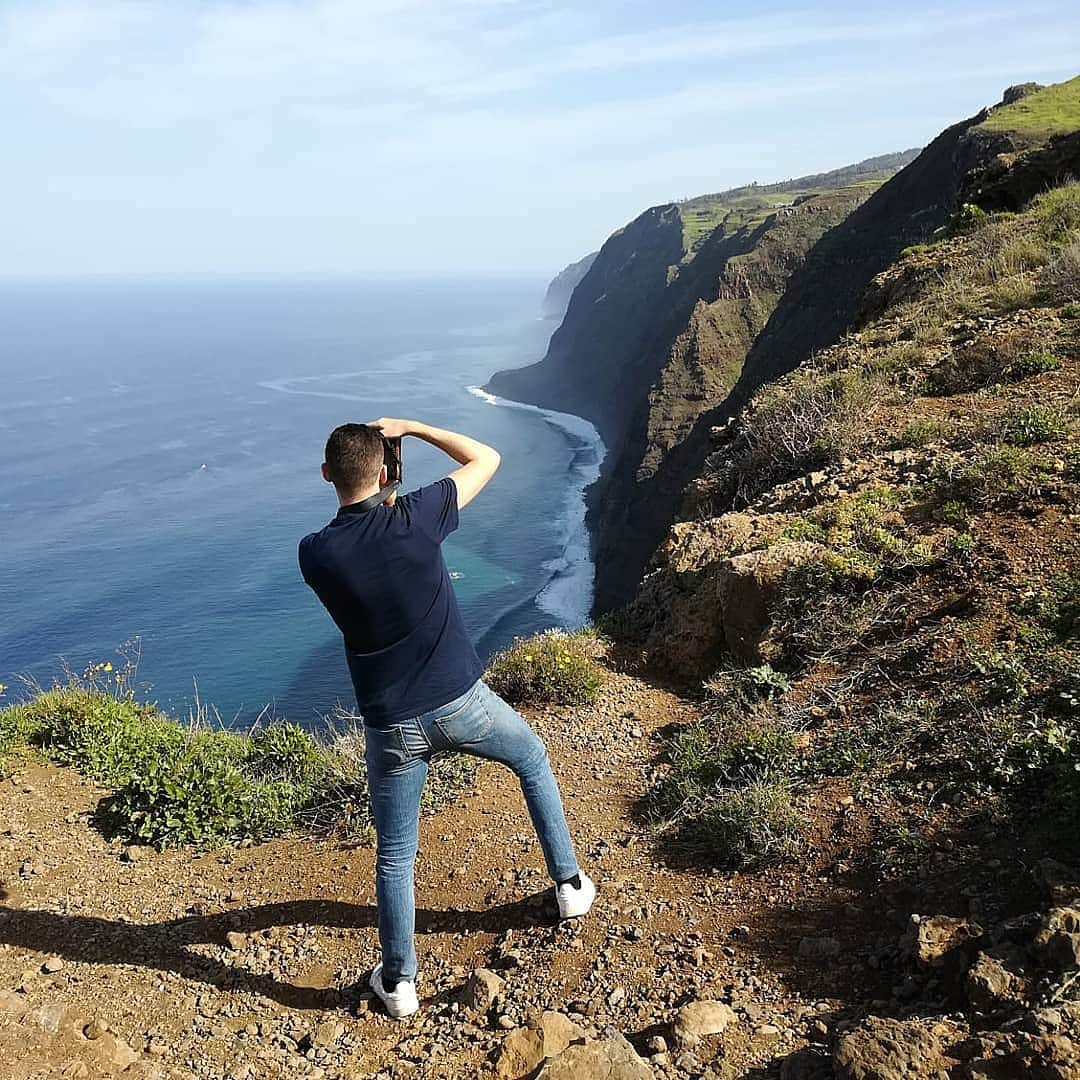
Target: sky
{"x":461,"y":137}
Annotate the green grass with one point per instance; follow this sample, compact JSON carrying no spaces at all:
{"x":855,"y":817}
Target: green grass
{"x":1032,"y":425}
{"x":555,"y":667}
{"x":921,"y":432}
{"x":750,"y":206}
{"x":1053,"y":110}
{"x":1036,"y":362}
{"x":176,"y":783}
{"x":992,"y":476}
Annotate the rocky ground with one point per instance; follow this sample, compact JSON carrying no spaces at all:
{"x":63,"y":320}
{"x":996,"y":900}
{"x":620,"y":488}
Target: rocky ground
{"x":251,"y":963}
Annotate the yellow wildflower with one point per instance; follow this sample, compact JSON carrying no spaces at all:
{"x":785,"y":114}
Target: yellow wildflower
{"x":106,"y":666}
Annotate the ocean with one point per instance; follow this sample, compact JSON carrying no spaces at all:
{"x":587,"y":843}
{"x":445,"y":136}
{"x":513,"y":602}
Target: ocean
{"x":160,"y":443}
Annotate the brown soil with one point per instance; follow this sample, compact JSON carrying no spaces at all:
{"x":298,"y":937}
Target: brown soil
{"x":145,"y":949}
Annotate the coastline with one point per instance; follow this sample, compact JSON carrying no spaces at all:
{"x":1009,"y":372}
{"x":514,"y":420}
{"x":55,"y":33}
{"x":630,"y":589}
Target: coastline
{"x":567,"y":593}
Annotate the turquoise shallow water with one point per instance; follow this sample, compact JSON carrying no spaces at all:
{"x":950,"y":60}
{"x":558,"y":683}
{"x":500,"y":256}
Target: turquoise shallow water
{"x":159,"y":452}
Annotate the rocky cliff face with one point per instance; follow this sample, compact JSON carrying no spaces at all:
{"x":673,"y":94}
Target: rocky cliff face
{"x":562,"y":286}
{"x":656,"y":334}
{"x":693,"y":307}
{"x":873,"y":436}
{"x":733,"y":288}
{"x":592,"y":364}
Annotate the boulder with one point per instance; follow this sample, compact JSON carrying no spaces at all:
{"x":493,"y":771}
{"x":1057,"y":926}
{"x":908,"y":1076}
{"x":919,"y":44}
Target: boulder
{"x":990,"y":986}
{"x":49,"y":1017}
{"x":883,"y":1049}
{"x":482,"y":990}
{"x":12,"y":1004}
{"x":701,"y":1018}
{"x":609,"y":1058}
{"x":705,"y":591}
{"x":819,"y":948}
{"x":519,"y":1054}
{"x":1061,"y":883}
{"x":558,"y":1032}
{"x":941,"y":941}
{"x":524,"y":1048}
{"x":1050,"y":1057}
{"x":1059,"y":938}
{"x":115,"y":1051}
{"x":747,"y":590}
{"x":806,"y":1064}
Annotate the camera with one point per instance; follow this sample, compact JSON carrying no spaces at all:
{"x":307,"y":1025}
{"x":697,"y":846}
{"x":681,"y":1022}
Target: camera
{"x":392,"y":460}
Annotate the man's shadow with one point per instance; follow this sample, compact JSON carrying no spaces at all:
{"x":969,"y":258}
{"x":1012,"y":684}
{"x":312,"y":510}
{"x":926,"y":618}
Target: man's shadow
{"x":165,"y":945}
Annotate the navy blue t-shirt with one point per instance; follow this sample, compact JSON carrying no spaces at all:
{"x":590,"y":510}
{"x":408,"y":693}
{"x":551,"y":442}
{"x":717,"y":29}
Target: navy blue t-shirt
{"x":381,"y":575}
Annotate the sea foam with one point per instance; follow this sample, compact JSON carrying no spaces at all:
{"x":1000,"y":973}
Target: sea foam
{"x":568,"y":594}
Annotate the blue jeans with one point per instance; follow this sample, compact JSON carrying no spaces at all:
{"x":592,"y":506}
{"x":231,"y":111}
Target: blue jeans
{"x":478,"y":723}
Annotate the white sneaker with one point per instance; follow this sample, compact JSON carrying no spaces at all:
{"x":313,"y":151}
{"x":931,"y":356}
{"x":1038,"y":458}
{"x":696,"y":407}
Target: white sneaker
{"x":399,"y":1002}
{"x":574,"y":903}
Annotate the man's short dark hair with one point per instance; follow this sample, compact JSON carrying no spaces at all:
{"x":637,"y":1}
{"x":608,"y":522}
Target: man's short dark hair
{"x":354,"y":453}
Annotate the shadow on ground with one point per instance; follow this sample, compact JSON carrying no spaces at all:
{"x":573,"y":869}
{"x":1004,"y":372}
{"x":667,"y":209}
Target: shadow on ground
{"x":165,"y":946}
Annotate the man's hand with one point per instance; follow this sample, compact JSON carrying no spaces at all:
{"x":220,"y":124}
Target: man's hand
{"x":391,"y":428}
{"x":478,"y":461}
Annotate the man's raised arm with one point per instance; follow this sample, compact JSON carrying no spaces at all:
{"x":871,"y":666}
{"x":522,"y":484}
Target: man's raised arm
{"x":478,"y":461}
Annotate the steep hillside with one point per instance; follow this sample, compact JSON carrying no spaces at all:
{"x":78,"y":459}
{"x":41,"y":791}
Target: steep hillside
{"x":639,"y":292}
{"x":562,"y":286}
{"x":738,"y":282}
{"x":657,"y":331}
{"x":879,"y":578}
{"x":951,"y":409}
{"x":999,"y":159}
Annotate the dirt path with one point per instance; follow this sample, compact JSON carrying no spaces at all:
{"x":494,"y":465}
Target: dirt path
{"x":245,"y":963}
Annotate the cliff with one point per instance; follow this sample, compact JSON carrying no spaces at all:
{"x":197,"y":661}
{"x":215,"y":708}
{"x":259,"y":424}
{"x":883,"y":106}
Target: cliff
{"x":562,"y":286}
{"x":656,"y":333}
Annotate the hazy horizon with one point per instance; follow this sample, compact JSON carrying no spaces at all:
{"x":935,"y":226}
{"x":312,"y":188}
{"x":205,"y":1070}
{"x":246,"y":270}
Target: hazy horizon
{"x":472,"y":138}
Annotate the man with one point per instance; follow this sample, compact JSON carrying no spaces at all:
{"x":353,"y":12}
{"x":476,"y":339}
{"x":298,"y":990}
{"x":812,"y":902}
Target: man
{"x":378,"y":569}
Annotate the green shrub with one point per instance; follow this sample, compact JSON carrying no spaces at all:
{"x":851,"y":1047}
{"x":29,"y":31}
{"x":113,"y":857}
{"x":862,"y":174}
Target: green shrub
{"x":1062,"y":276}
{"x":107,"y":738}
{"x":19,"y":727}
{"x":748,"y":826}
{"x":982,"y":363}
{"x":811,"y":418}
{"x":881,"y":738}
{"x":1056,"y":607}
{"x":1003,"y":675}
{"x":1033,"y":363}
{"x":178,"y":784}
{"x":952,"y":512}
{"x":203,"y":795}
{"x":914,"y":249}
{"x":921,"y":432}
{"x":1058,"y":213}
{"x":554,"y":666}
{"x":723,"y":750}
{"x":994,"y":476}
{"x":967,"y":219}
{"x":1013,"y":293}
{"x":1032,"y":425}
{"x":1071,"y":311}
{"x":865,"y":533}
{"x":734,"y":686}
{"x":1030,"y":751}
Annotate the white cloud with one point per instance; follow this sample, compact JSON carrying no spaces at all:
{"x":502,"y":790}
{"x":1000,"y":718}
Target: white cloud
{"x":289,"y":111}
